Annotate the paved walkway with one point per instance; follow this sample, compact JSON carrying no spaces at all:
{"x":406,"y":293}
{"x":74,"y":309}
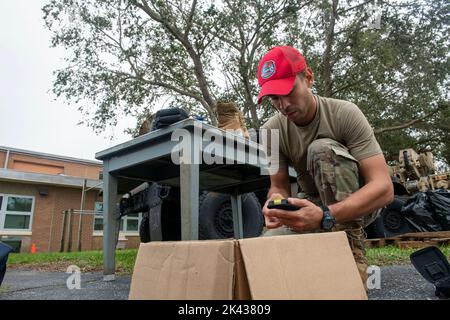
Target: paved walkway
{"x":397,"y":282}
{"x":19,"y":285}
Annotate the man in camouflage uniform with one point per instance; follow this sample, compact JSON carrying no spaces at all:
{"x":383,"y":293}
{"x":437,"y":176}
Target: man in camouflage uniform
{"x":341,"y":171}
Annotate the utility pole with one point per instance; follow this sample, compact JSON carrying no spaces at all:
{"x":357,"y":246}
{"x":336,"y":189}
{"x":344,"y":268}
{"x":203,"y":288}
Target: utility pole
{"x":81,"y":215}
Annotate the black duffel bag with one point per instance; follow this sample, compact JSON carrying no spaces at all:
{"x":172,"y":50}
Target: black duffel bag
{"x":166,"y":117}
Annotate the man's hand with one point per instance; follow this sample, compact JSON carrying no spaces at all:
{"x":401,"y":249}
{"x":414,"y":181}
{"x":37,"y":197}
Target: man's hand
{"x":279,"y":189}
{"x":271,"y":222}
{"x":307,"y":218}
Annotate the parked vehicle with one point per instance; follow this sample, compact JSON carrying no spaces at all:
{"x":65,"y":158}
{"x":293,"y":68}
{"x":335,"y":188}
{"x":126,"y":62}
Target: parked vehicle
{"x":421,"y":195}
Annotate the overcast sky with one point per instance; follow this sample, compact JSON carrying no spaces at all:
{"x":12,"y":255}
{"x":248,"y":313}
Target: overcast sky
{"x":30,"y":117}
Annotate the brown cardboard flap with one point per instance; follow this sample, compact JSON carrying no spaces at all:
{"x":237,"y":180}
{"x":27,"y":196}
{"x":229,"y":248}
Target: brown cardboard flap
{"x":306,"y":266}
{"x":184,"y":270}
{"x":241,"y":289}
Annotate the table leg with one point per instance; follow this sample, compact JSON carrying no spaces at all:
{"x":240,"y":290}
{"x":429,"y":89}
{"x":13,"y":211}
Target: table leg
{"x":236,"y":206}
{"x":189,"y":189}
{"x":109,"y":224}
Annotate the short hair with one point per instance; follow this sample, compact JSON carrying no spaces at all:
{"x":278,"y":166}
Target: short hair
{"x":301,"y":75}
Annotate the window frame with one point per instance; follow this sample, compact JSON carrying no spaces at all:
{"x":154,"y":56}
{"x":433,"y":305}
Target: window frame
{"x":124,"y":221}
{"x":4,"y":211}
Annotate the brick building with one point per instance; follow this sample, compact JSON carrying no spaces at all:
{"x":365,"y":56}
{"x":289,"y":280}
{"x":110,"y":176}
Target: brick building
{"x":36,"y":188}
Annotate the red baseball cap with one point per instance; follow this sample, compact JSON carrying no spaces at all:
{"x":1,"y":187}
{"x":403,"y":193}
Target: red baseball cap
{"x":277,"y":71}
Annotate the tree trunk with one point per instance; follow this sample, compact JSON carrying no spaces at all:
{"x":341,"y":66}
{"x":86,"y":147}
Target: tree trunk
{"x":203,"y":85}
{"x":328,"y":83}
{"x":210,"y":104}
{"x":248,"y":96}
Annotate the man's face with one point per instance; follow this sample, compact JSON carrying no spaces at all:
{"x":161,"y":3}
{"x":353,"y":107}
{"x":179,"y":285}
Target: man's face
{"x":297,"y":105}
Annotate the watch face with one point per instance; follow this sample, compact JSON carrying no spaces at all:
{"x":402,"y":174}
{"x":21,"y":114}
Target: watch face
{"x":327,"y":223}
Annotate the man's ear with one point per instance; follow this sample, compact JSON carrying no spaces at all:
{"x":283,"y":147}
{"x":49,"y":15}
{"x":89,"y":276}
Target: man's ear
{"x":309,"y":77}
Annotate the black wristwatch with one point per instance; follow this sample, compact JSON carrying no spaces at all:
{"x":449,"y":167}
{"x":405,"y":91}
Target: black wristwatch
{"x":328,"y":221}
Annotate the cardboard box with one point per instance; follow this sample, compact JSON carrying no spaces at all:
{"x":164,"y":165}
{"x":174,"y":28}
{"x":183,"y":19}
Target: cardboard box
{"x":307,"y":266}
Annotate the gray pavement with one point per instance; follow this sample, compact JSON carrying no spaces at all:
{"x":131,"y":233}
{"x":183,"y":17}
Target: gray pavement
{"x":400,"y":282}
{"x":34,"y":285}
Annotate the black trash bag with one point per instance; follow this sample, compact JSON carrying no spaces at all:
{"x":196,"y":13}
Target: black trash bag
{"x":440,"y":202}
{"x":428,"y":211}
{"x":418,"y":211}
{"x":166,"y":117}
{"x":4,"y":252}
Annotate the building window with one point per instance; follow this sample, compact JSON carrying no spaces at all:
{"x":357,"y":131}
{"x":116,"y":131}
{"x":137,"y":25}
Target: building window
{"x":98,"y":217}
{"x":16,"y":212}
{"x":128,"y":223}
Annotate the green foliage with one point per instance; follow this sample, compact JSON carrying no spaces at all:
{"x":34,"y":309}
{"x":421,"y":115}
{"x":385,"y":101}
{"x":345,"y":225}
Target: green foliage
{"x":129,"y":57}
{"x":395,"y":74}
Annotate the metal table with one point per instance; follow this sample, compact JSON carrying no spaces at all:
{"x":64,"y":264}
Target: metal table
{"x":148,"y":158}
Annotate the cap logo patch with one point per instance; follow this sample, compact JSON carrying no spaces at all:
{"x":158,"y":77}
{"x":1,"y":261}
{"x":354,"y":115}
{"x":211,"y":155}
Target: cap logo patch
{"x":268,"y":69}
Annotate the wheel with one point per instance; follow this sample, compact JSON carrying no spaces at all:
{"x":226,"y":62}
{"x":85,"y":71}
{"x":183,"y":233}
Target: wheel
{"x":391,"y":222}
{"x":216,"y":216}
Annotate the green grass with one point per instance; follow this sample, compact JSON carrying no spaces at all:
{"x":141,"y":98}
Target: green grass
{"x":392,"y":255}
{"x":89,"y":261}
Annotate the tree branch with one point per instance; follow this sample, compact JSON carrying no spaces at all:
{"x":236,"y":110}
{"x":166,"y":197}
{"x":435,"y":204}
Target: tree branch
{"x":157,"y":83}
{"x":327,"y":72}
{"x":276,"y":15}
{"x":410,"y":123}
{"x":229,"y":79}
{"x":354,"y":28}
{"x":155,"y":16}
{"x":117,"y":42}
{"x":228,"y":41}
{"x":189,"y":20}
{"x":173,"y":88}
{"x":198,"y":66}
{"x":354,"y":7}
{"x":349,"y":85}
